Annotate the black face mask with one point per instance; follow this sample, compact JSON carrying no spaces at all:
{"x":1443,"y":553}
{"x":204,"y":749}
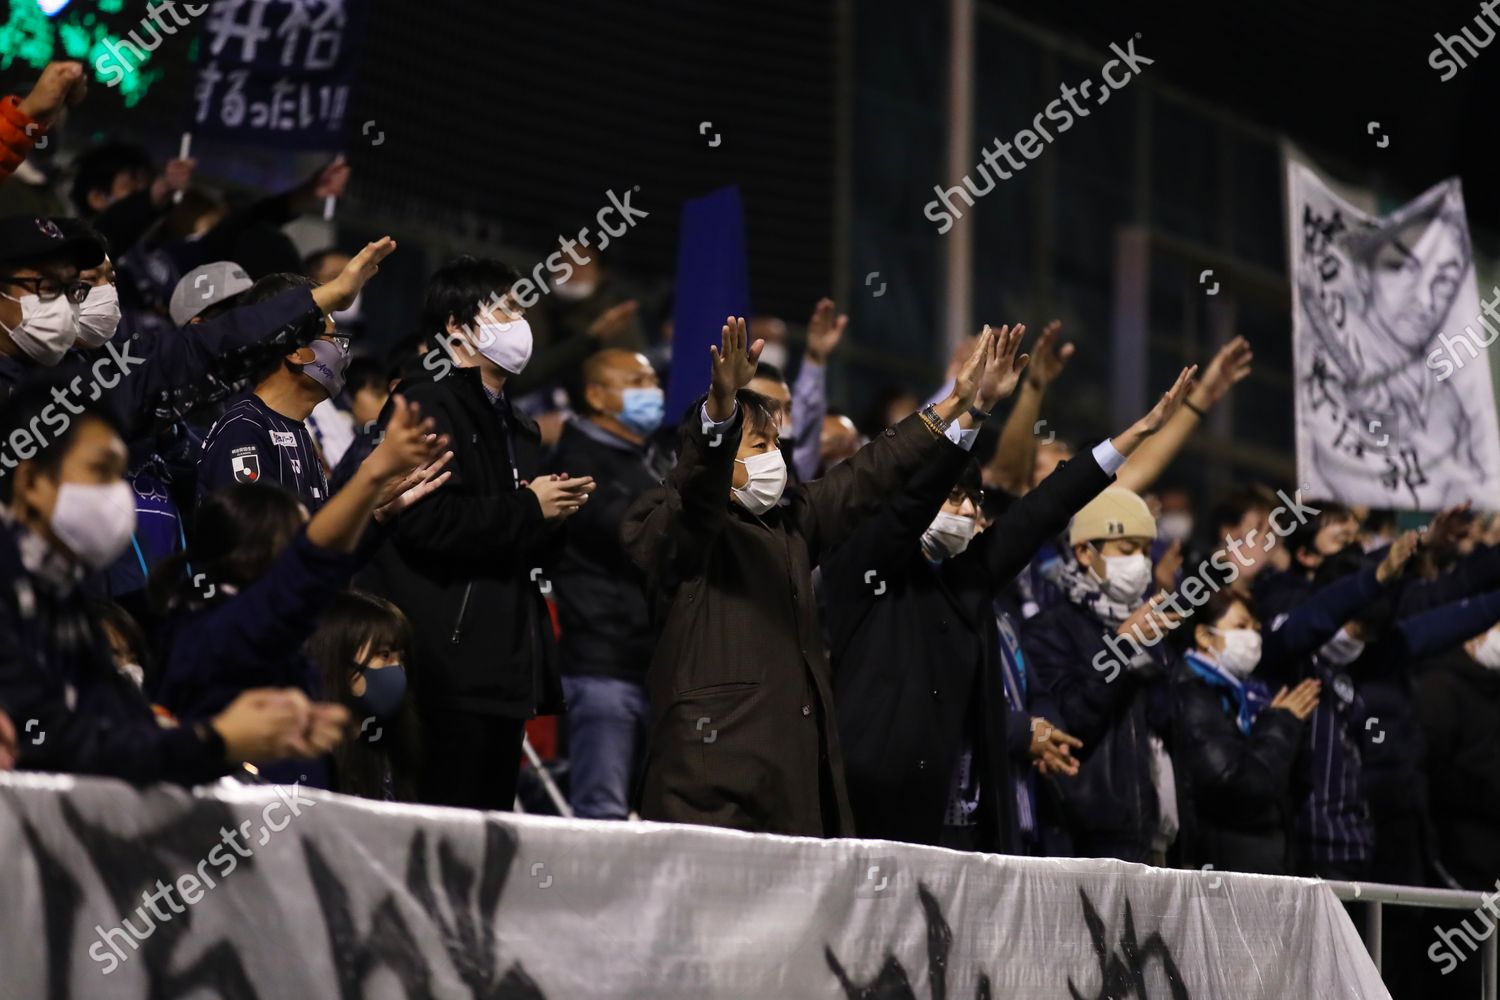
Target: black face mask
{"x":385,"y":687}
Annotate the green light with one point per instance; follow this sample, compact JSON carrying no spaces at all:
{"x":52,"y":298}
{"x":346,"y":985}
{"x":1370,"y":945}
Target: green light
{"x":31,"y":37}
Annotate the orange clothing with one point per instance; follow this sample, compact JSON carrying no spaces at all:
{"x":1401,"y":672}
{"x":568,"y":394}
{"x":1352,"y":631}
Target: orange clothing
{"x":15,"y":139}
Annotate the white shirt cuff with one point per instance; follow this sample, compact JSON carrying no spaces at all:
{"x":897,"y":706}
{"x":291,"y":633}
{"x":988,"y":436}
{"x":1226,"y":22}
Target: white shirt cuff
{"x":709,"y":427}
{"x":963,"y":438}
{"x":1108,"y":457}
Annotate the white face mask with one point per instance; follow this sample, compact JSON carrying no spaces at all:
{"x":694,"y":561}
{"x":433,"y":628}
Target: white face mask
{"x":1175,"y":526}
{"x":1488,"y":652}
{"x":47,"y":329}
{"x":1343,"y":649}
{"x":774,"y":354}
{"x":767,"y":472}
{"x":99,"y":316}
{"x":948,"y":535}
{"x":576,"y":290}
{"x":1126,"y":578}
{"x":507,"y":344}
{"x":1241,"y":651}
{"x":95,"y":522}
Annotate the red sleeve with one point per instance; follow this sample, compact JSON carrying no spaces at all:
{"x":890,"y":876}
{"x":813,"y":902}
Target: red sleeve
{"x":15,"y":141}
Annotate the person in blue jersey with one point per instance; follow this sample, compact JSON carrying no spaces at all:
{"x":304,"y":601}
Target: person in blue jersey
{"x":263,"y":435}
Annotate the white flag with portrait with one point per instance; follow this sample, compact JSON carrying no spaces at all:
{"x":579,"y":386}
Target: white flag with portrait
{"x":1394,"y":404}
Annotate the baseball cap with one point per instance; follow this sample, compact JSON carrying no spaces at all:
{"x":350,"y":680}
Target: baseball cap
{"x":1114,"y":513}
{"x":30,"y":237}
{"x":207,"y":286}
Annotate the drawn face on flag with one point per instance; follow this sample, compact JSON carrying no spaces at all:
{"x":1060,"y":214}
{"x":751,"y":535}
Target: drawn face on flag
{"x":1373,"y":297}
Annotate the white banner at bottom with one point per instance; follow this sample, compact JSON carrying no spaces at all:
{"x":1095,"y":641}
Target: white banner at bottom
{"x":257,"y":892}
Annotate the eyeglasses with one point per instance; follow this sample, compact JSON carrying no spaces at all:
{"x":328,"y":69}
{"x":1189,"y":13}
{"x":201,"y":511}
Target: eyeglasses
{"x":48,"y":289}
{"x":340,"y":341}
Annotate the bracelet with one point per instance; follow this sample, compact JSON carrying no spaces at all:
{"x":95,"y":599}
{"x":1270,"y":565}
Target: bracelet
{"x":1189,"y":404}
{"x":937,"y":424}
{"x":978,"y":414}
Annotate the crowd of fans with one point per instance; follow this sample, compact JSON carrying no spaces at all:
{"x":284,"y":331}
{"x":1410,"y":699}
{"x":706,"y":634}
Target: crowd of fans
{"x":231,"y":536}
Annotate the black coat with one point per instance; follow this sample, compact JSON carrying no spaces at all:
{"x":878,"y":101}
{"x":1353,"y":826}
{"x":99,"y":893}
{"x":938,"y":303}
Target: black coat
{"x":742,"y":721}
{"x":467,"y":564}
{"x":1233,"y":788}
{"x":600,"y":593}
{"x":1111,"y":802}
{"x":916,"y":653}
{"x":1459,"y":702}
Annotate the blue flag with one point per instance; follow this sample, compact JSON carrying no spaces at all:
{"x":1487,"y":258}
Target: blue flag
{"x":713,"y":282}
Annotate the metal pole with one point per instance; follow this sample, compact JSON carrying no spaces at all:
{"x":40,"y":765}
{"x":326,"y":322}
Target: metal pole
{"x":1491,"y":973}
{"x":1375,"y":934}
{"x":958,"y":246}
{"x":551,"y":786}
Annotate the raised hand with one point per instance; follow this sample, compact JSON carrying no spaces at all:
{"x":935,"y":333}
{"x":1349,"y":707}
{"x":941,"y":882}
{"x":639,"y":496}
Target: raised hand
{"x":60,"y":83}
{"x":1397,"y":555}
{"x":561,"y":495}
{"x":733,"y":367}
{"x":175,"y":177}
{"x":970,"y":374}
{"x":1450,"y":526}
{"x":1300,"y":700}
{"x":1048,"y":358}
{"x":824,"y":331}
{"x":615,"y":321}
{"x":409,"y":443}
{"x":340,"y":292}
{"x":1001,"y":377}
{"x":1229,"y":366}
{"x":1170,"y":402}
{"x":400,"y":494}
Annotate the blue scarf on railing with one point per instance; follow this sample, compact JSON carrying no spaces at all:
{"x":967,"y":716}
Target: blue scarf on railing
{"x":1246,"y":699}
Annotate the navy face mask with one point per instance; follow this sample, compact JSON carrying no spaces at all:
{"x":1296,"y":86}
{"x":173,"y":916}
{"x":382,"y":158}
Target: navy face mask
{"x":384,"y":689}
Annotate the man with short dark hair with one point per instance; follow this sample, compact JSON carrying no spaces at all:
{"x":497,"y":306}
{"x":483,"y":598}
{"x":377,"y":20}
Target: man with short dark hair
{"x":263,"y":434}
{"x":607,"y":637}
{"x":469,"y":566}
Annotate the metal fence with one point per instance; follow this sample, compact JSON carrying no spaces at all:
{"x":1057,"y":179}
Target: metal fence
{"x":1376,"y":896}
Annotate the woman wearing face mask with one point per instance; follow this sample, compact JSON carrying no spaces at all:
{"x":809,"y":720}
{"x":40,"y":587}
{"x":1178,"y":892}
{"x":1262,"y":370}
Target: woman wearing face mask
{"x":247,"y":593}
{"x":937,"y":748}
{"x":742,"y":722}
{"x":361,"y":645}
{"x":1236,"y":744}
{"x":69,"y":512}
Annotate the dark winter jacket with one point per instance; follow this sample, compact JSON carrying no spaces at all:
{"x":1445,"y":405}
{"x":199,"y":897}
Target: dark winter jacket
{"x":600,"y":593}
{"x":916,"y":655}
{"x":1235,"y":790}
{"x":742,"y":715}
{"x":468,"y":564}
{"x":72,"y":709}
{"x":1460,"y":709}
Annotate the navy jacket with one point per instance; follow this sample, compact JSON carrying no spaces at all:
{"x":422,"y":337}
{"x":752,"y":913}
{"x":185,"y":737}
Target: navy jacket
{"x":149,"y":377}
{"x":252,"y":638}
{"x":73,"y":711}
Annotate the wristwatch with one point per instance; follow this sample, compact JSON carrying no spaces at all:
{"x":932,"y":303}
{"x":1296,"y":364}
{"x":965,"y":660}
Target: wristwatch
{"x":978,"y":414}
{"x":937,"y":423}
